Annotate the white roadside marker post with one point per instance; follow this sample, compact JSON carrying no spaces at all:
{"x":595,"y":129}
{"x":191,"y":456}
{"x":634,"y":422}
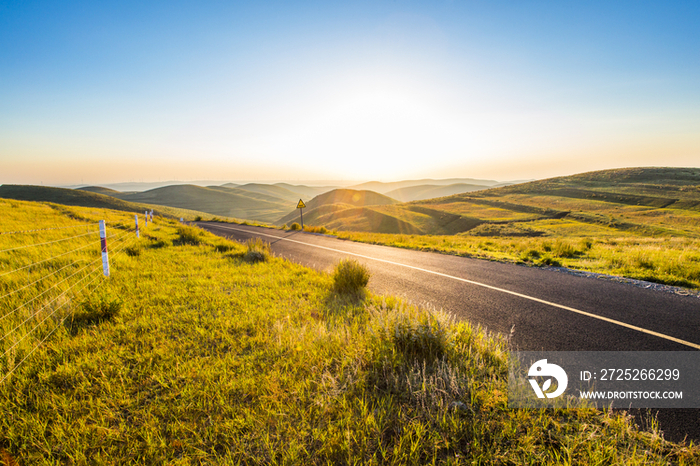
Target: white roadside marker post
{"x":136,"y":219}
{"x":103,"y":243}
{"x":145,"y":215}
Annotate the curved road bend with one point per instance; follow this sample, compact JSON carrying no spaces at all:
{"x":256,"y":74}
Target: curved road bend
{"x":547,"y":310}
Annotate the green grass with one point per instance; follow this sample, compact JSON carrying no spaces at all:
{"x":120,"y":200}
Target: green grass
{"x":189,"y":354}
{"x":672,"y":261}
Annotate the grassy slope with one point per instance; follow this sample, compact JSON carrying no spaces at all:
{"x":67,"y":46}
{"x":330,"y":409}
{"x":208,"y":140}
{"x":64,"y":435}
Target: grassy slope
{"x":266,"y":198}
{"x":358,"y":198}
{"x":228,"y":202}
{"x":283,"y":190}
{"x":100,"y":190}
{"x":626,"y":199}
{"x":345,"y":197}
{"x":272,"y":190}
{"x":88,"y":198}
{"x":210,"y":359}
{"x":365,"y":219}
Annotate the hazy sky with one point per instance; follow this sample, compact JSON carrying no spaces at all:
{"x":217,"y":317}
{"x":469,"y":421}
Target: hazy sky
{"x":99,"y":92}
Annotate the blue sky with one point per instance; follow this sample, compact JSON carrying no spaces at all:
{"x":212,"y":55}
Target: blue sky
{"x":101,"y":92}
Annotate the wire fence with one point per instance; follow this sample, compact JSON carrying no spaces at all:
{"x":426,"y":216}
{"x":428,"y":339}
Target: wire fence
{"x":44,"y":274}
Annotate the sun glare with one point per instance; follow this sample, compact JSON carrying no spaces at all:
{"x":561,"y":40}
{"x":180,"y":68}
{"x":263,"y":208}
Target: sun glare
{"x":373,"y":130}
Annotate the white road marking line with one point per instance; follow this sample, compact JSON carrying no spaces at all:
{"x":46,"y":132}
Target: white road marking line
{"x":471,"y":282}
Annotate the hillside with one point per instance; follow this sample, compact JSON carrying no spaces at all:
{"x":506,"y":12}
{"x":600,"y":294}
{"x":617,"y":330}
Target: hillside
{"x":268,"y":202}
{"x":341,"y":199}
{"x":384,"y":188}
{"x":252,"y":201}
{"x":88,"y":198}
{"x":306,"y":192}
{"x":654,"y":187}
{"x":101,"y":190}
{"x":250,"y":194}
{"x":625,"y":200}
{"x":357,"y":198}
{"x":649,"y":201}
{"x":430,"y":191}
{"x":275,"y":191}
{"x":223,"y":201}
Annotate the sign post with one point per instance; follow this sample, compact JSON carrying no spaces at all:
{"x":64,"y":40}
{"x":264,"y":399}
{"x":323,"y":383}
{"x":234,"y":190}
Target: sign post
{"x":103,"y":244}
{"x":301,"y":206}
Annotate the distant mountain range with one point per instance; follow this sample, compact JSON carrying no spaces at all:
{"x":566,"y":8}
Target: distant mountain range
{"x":272,"y":203}
{"x":138,"y":186}
{"x":658,"y":201}
{"x":384,"y":188}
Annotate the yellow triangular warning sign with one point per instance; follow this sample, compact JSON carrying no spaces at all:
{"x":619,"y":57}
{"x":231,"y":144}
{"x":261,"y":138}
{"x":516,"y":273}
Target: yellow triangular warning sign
{"x":301,"y":204}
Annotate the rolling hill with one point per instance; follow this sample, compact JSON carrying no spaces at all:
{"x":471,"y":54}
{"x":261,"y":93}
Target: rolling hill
{"x":384,"y":188}
{"x":431,"y":191}
{"x":306,"y":192}
{"x":101,"y":190}
{"x":274,"y":191}
{"x":252,"y":201}
{"x":88,"y":198}
{"x":333,"y":202}
{"x":648,"y":201}
{"x":223,"y":201}
{"x":268,"y":202}
{"x":636,"y":223}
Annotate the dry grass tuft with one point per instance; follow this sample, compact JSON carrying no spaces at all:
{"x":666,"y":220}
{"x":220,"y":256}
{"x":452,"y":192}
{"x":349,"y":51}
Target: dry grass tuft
{"x":257,"y":250}
{"x":350,"y":277}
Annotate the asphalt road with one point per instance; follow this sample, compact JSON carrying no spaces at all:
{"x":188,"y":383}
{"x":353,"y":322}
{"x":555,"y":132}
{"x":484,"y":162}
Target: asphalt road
{"x":545,"y":310}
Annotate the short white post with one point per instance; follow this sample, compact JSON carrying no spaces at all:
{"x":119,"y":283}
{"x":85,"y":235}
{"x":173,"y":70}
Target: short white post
{"x":145,"y":216}
{"x":151,"y":215}
{"x":103,"y":242}
{"x":136,"y":219}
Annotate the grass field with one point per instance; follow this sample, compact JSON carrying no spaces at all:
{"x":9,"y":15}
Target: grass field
{"x":671,"y":261}
{"x":195,"y":352}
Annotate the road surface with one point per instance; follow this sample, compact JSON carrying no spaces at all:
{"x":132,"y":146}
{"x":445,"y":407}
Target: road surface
{"x":544,"y":309}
